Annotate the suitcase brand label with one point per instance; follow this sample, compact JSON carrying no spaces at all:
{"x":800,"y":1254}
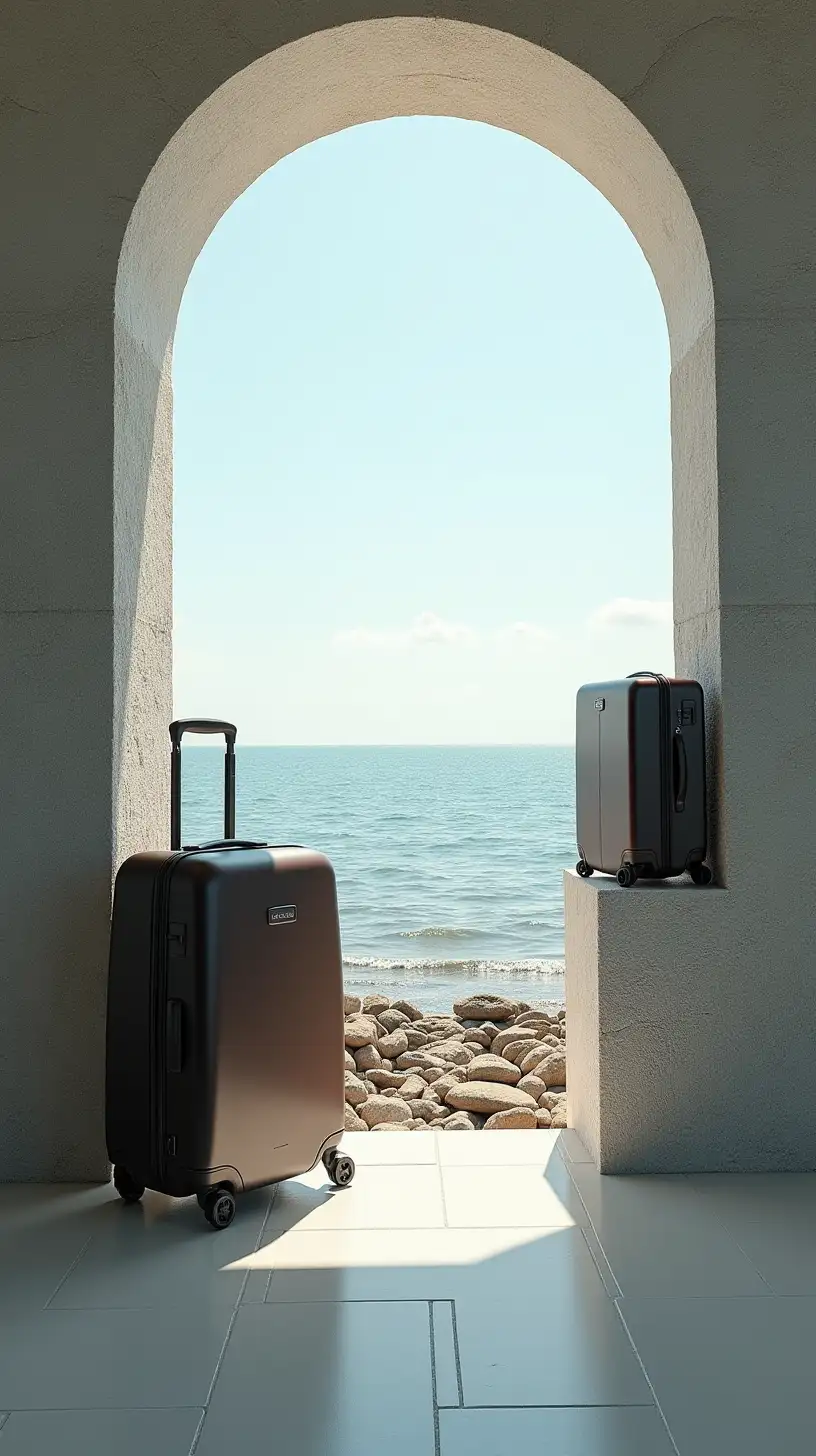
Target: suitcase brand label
{"x":281,"y":914}
{"x":600,"y":704}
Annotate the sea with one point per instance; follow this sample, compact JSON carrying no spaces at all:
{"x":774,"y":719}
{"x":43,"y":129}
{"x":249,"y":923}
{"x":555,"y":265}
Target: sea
{"x":449,"y":860}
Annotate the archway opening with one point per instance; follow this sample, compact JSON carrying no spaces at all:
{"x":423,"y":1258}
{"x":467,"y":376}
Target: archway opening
{"x":315,"y":87}
{"x":422,"y":448}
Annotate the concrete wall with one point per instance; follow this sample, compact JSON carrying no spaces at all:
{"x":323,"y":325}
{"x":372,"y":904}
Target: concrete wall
{"x":111,"y":113}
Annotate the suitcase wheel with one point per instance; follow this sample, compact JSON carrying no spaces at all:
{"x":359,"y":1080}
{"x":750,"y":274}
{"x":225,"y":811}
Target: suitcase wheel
{"x":584,"y":869}
{"x":700,"y":873}
{"x":128,"y":1189}
{"x":627,"y":875}
{"x":218,"y":1207}
{"x":339,"y":1166}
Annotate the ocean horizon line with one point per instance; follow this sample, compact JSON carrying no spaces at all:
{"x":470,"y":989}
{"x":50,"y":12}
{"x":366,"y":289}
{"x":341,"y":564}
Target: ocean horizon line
{"x":245,"y":743}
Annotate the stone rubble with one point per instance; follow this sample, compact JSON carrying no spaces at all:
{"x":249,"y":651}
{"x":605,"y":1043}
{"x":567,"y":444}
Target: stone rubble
{"x":493,"y":1064}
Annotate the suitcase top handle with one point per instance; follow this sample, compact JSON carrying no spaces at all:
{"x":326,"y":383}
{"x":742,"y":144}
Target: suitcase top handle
{"x":201,"y":725}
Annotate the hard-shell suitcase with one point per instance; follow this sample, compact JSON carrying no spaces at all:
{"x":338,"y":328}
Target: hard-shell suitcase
{"x":640,"y":778}
{"x":221,"y":956}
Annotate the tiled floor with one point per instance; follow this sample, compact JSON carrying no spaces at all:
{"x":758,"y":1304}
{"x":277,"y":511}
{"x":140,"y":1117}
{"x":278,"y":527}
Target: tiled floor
{"x":468,"y":1295}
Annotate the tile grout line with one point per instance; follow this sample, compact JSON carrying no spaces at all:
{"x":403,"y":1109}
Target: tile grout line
{"x":434,"y":1401}
{"x":702,"y":1200}
{"x":456,"y":1357}
{"x":69,"y":1271}
{"x":636,"y":1353}
{"x":230,"y":1327}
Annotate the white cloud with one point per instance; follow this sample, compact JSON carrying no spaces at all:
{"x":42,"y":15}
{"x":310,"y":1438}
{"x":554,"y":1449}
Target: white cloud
{"x":632,"y":612}
{"x":426,"y":630}
{"x":429,"y":630}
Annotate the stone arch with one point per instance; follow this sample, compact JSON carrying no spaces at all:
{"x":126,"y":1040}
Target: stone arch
{"x":310,"y":88}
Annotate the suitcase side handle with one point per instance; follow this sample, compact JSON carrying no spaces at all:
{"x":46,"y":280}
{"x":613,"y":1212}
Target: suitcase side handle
{"x":201,"y":725}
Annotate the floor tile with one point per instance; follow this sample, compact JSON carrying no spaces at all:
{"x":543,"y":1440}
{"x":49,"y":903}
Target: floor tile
{"x":588,"y":1431}
{"x":161,"y":1251}
{"x":772,"y":1216}
{"x":731,"y":1375}
{"x":444,"y":1354}
{"x":100,"y":1433}
{"x":379,"y":1197}
{"x":443,"y":1263}
{"x":75,"y":1359}
{"x":571,"y":1147}
{"x":558,"y":1348}
{"x":521,"y":1196}
{"x":43,"y":1230}
{"x":401,"y":1148}
{"x":498,"y":1149}
{"x":324,"y":1380}
{"x":661,"y":1237}
{"x":634,"y":1430}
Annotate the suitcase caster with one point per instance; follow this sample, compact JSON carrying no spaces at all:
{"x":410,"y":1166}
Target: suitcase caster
{"x":584,"y":869}
{"x":128,"y":1189}
{"x":339,"y":1166}
{"x":626,"y":876}
{"x":218,"y":1207}
{"x":700,"y":873}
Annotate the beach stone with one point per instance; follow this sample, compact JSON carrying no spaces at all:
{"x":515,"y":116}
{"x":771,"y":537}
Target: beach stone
{"x":530,"y":1060}
{"x":524,"y":1006}
{"x":543,"y":1117}
{"x":388,"y":1064}
{"x":509,"y":1036}
{"x":455,"y":1052}
{"x":355,"y":1090}
{"x":514,"y":1051}
{"x":413,"y":1086}
{"x":391,"y":1019}
{"x":486,"y":1008}
{"x":548,"y":1100}
{"x":559,"y":1117}
{"x":351,"y":1065}
{"x":449,"y":1079}
{"x":492,"y":1069}
{"x":477,"y":1038}
{"x":390,"y":1091}
{"x":381,"y":1077}
{"x":408,"y":1009}
{"x":393,"y":1044}
{"x":360,"y":1031}
{"x":534,"y":1018}
{"x":487,"y":1097}
{"x":390,"y":1127}
{"x":553,"y":1070}
{"x":513,"y":1117}
{"x":352,"y":1122}
{"x":351,"y":1004}
{"x":460,"y":1122}
{"x":532,"y":1084}
{"x":406,"y":1060}
{"x":376,"y":1003}
{"x":384,"y":1109}
{"x":366,"y":1058}
{"x":416,"y":1039}
{"x":551,"y":1040}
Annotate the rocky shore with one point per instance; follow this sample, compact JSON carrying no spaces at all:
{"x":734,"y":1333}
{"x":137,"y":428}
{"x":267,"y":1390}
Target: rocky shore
{"x":492,"y":1064}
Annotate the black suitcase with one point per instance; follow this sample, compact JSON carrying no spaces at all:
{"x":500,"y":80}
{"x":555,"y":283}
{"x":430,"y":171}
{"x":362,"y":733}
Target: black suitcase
{"x":221,"y":955}
{"x":640,"y":795}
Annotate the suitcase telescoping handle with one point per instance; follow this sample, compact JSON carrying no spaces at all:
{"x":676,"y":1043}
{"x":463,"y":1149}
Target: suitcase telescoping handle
{"x":201,"y":725}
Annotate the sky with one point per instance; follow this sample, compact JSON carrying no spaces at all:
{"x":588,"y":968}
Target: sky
{"x":421,"y":446}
